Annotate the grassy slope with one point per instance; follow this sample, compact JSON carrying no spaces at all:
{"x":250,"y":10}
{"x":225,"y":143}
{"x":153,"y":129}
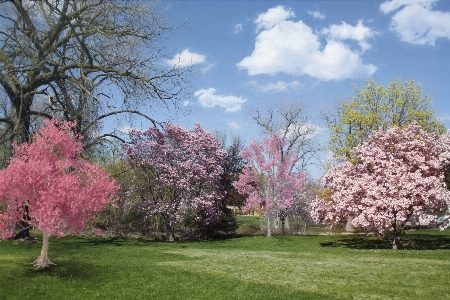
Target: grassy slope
{"x":289,"y":267}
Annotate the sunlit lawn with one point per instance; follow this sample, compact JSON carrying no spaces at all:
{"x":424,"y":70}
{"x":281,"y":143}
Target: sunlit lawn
{"x":287,"y":267}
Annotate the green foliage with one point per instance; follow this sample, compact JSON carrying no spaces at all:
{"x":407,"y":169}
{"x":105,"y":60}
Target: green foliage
{"x":375,"y":106}
{"x":232,"y":166}
{"x":286,"y":267}
{"x":225,"y":226}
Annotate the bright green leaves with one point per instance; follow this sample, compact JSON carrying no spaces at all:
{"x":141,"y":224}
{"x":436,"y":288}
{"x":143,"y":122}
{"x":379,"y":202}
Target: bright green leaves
{"x":374,"y":107}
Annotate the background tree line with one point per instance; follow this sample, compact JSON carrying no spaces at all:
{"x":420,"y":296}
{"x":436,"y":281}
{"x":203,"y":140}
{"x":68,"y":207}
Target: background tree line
{"x":85,"y":61}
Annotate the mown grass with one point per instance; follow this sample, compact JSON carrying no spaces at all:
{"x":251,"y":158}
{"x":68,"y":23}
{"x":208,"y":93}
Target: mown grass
{"x":289,"y":267}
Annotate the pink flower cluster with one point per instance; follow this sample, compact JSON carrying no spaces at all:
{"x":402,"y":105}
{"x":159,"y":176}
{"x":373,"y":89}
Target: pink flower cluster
{"x":268,"y":179}
{"x":396,"y":176}
{"x":183,"y":167}
{"x":49,"y":182}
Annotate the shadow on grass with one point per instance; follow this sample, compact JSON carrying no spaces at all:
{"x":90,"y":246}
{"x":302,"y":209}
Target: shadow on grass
{"x":81,"y":241}
{"x":69,"y":269}
{"x":409,"y":242}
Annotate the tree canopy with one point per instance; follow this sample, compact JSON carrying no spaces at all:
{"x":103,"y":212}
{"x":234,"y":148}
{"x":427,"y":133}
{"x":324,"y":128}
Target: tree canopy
{"x":290,"y":122}
{"x":84,"y":61}
{"x":374,"y":107}
{"x":268,"y":179}
{"x":180,"y":173}
{"x":48,"y":185}
{"x":396,"y":175}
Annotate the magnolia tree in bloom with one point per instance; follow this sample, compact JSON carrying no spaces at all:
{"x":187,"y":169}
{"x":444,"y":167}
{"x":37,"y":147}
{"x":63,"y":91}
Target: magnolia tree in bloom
{"x":181,"y":170}
{"x":49,"y":185}
{"x":268,"y":179}
{"x":395,"y":175}
{"x":444,"y":140}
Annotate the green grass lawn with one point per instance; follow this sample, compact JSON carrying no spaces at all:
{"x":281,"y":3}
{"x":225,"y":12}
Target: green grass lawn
{"x":286,"y":267}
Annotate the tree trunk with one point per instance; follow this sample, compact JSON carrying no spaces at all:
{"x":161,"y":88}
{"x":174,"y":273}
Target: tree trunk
{"x":42,"y":261}
{"x":170,"y":236}
{"x":349,"y":225}
{"x":396,"y":243}
{"x":169,"y":224}
{"x":22,"y":230}
{"x":21,"y":134}
{"x":269,"y":229}
{"x":277,"y":221}
{"x":286,"y":224}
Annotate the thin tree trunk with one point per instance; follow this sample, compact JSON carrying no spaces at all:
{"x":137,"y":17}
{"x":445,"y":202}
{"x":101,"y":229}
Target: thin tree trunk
{"x":396,"y":243}
{"x":286,"y":224}
{"x":277,"y":221}
{"x":269,"y":229}
{"x":169,"y":224}
{"x":170,"y":235}
{"x":42,"y":261}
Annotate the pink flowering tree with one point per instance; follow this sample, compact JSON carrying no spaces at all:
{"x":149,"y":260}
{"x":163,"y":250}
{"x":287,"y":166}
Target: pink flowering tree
{"x":444,"y":141}
{"x":181,"y":170}
{"x":396,"y":175}
{"x":268,"y":179}
{"x":48,"y":185}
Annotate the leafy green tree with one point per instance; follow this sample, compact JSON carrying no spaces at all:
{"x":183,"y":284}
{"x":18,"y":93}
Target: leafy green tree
{"x":374,"y":107}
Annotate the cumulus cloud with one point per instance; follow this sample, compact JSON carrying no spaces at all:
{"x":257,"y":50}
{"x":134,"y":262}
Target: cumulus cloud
{"x":273,"y":17}
{"x":285,"y":46}
{"x":316,"y":15}
{"x":127,"y":129}
{"x":416,"y":22}
{"x":186,"y":58}
{"x":186,"y":103}
{"x":359,"y":33}
{"x":238,"y":28}
{"x":208,"y":98}
{"x":308,"y":130}
{"x":278,"y":86}
{"x":234,"y":125}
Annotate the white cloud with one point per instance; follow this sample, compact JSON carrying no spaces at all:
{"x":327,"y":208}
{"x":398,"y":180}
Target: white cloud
{"x":359,"y":33}
{"x":284,"y":46}
{"x":207,"y":98}
{"x":278,"y":86}
{"x":186,"y":58}
{"x":207,"y":68}
{"x":238,"y":28}
{"x":234,"y":125}
{"x":316,"y":14}
{"x":389,"y":6}
{"x":308,"y":130}
{"x":127,"y":129}
{"x":186,"y":103}
{"x":444,"y":118}
{"x":416,"y":22}
{"x":274,"y":16}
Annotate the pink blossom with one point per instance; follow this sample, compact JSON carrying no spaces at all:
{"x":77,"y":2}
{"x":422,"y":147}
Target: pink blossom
{"x":268,"y":179}
{"x":396,"y":176}
{"x":60,"y":190}
{"x":184,"y":168}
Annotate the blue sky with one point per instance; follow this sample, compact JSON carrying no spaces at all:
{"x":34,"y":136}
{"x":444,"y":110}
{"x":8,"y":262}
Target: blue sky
{"x":250,"y":54}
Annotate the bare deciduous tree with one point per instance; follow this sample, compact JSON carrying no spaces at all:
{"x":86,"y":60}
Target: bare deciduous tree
{"x":87,"y":59}
{"x":291,"y":123}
